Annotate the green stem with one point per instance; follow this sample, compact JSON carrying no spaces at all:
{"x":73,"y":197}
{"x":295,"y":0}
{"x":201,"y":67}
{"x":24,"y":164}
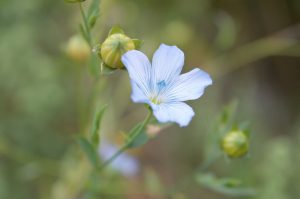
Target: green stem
{"x":86,"y":25}
{"x":129,"y":141}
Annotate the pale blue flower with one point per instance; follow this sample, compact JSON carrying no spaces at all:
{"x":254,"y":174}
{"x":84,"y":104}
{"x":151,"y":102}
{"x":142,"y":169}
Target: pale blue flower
{"x":161,"y":86}
{"x":126,"y":164}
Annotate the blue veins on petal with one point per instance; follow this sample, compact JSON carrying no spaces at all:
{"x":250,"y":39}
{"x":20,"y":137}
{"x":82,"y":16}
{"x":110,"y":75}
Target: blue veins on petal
{"x":189,"y":86}
{"x":167,"y":63}
{"x":161,"y":84}
{"x":162,"y":87}
{"x":156,"y":97}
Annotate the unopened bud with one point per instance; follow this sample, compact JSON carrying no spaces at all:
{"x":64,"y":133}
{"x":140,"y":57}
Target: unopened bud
{"x":78,"y":49}
{"x":114,"y":47}
{"x":235,"y":144}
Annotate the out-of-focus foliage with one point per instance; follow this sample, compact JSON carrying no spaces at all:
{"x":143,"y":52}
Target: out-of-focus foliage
{"x":47,"y":100}
{"x":276,"y":178}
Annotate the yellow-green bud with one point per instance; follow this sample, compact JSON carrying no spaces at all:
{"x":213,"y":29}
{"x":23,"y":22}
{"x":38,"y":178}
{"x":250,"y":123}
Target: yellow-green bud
{"x":235,"y":144}
{"x":78,"y":49}
{"x":114,"y":47}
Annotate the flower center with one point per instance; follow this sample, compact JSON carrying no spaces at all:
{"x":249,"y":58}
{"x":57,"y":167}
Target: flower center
{"x":161,"y":85}
{"x":156,"y":98}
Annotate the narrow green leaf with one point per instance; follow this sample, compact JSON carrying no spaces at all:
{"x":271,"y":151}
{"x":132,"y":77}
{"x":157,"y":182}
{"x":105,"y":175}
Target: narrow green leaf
{"x":226,"y":186}
{"x":137,"y":43}
{"x":89,"y":150}
{"x":229,"y":112}
{"x":141,"y":139}
{"x":226,"y":119}
{"x":74,"y":1}
{"x":92,"y":21}
{"x":230,"y":182}
{"x":106,"y":70}
{"x":93,"y":12}
{"x":85,"y":26}
{"x":83,"y":33}
{"x":135,"y":129}
{"x":93,"y":8}
{"x":115,"y":30}
{"x":96,"y":125}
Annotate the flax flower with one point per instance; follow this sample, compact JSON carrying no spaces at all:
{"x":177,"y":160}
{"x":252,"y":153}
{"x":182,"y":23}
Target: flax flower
{"x":161,"y":85}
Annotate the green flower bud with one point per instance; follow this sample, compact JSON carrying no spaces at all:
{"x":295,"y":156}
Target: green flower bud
{"x":114,"y":47}
{"x":235,"y":144}
{"x":78,"y":49}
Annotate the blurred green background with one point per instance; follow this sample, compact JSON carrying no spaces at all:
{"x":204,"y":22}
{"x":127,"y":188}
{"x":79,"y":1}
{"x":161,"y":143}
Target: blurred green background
{"x":250,"y":47}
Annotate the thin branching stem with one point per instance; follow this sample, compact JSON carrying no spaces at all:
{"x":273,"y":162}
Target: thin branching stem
{"x":127,"y":144}
{"x":86,"y":25}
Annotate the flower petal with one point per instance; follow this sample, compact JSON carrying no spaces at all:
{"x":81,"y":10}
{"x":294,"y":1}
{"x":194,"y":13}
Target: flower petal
{"x":167,"y":63}
{"x":137,"y":95}
{"x":178,"y":112}
{"x":139,"y":68}
{"x":189,"y":86}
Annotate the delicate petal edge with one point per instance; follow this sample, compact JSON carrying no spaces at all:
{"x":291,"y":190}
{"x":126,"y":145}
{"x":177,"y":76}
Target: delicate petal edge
{"x":178,"y":112}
